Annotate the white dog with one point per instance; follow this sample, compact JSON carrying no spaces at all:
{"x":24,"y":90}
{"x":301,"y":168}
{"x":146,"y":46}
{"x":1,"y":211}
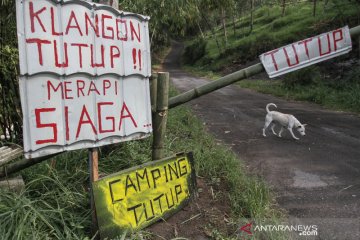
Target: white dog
{"x":285,"y":120}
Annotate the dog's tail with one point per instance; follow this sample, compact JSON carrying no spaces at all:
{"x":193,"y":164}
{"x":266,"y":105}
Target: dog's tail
{"x":268,"y":105}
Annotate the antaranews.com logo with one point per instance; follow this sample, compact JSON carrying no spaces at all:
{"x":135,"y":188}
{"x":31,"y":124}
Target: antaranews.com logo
{"x":301,"y":230}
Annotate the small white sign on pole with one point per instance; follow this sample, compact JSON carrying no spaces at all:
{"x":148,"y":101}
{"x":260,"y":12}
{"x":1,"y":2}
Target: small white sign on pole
{"x":307,"y":52}
{"x":84,"y":75}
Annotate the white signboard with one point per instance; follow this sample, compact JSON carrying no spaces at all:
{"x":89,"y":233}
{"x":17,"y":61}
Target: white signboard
{"x":307,"y":52}
{"x":85,"y":72}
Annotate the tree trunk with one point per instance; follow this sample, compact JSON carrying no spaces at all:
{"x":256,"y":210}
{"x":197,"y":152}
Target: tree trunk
{"x":325,"y":4}
{"x":243,"y":29}
{"x":314,"y":9}
{"x":223,"y":21}
{"x":252,"y":16}
{"x":283,"y":8}
{"x":211,"y":29}
{"x":234,"y":24}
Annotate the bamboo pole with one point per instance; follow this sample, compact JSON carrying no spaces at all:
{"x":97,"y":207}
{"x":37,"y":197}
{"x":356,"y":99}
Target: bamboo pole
{"x":22,"y":164}
{"x":215,"y":85}
{"x":355,"y":32}
{"x":160,"y":116}
{"x":153,"y":91}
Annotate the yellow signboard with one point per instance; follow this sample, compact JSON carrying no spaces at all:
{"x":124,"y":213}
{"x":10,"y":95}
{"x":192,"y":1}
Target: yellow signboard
{"x":137,"y":197}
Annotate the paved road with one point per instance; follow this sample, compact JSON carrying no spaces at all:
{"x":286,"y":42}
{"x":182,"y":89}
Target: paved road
{"x":316,"y":179}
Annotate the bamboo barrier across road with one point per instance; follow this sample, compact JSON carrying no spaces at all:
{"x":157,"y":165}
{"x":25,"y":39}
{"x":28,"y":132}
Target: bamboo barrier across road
{"x":228,"y":79}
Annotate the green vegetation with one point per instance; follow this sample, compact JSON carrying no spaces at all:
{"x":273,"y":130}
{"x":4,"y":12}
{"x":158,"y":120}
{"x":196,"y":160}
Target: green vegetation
{"x":330,"y":83}
{"x":338,"y":94}
{"x":271,"y":30}
{"x":55,"y":204}
{"x":9,"y":89}
{"x":201,"y":73}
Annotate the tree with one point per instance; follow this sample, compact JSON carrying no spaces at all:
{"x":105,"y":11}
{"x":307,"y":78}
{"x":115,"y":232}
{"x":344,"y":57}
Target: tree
{"x":283,"y":8}
{"x":218,"y":8}
{"x":206,"y":7}
{"x":251,"y":15}
{"x":168,"y":17}
{"x":10,"y":114}
{"x":223,"y":23}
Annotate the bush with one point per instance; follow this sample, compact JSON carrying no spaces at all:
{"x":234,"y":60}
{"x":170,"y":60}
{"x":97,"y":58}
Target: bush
{"x":244,"y":24}
{"x":195,"y":51}
{"x":249,"y":49}
{"x":264,"y":42}
{"x":350,"y":79}
{"x":303,"y":77}
{"x":10,"y":114}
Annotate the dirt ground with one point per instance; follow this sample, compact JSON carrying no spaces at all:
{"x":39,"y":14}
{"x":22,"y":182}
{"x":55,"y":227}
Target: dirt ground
{"x":205,"y":216}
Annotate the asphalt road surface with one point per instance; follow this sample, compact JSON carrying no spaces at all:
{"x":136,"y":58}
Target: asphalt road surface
{"x":315,"y":179}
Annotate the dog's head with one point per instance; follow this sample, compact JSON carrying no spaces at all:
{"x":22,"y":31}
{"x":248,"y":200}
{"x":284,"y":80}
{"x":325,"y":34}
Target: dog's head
{"x":301,"y":129}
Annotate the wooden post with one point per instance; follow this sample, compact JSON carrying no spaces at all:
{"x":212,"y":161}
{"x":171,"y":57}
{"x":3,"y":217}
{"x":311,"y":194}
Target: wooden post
{"x":94,"y":176}
{"x":153,"y":91}
{"x":94,"y":152}
{"x":93,"y":159}
{"x":94,"y":164}
{"x":160,"y":115}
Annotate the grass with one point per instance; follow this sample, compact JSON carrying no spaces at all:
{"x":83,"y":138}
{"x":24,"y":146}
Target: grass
{"x":49,"y":208}
{"x":55,"y":203}
{"x":271,"y":31}
{"x":347,"y":99}
{"x":310,"y":84}
{"x":202,"y":73}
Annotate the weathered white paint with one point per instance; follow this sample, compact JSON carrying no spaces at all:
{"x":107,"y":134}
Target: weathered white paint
{"x":307,"y":52}
{"x":84,"y":75}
